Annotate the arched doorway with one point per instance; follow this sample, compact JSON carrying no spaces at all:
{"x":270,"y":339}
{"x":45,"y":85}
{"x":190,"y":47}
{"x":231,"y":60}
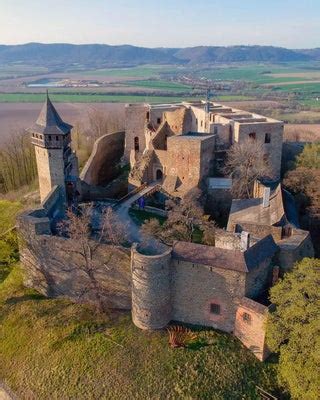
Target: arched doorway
{"x":159,"y":175}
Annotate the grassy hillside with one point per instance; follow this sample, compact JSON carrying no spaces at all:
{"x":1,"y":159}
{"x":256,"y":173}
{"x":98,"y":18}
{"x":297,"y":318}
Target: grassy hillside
{"x":56,"y":349}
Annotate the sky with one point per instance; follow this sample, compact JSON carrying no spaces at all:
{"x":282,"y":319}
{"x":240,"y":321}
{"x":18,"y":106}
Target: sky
{"x":162,"y":23}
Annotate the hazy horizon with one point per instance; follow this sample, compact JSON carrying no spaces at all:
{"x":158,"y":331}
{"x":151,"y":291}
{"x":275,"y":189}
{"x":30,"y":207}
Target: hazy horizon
{"x":176,"y":23}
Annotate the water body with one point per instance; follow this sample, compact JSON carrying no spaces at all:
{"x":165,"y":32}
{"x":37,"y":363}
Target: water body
{"x":46,"y":82}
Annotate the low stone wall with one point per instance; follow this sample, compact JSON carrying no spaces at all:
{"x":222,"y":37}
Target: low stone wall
{"x":53,"y":270}
{"x":102,"y":165}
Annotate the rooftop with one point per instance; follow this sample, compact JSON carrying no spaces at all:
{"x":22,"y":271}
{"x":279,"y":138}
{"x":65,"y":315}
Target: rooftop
{"x":235,"y":260}
{"x":49,"y":121}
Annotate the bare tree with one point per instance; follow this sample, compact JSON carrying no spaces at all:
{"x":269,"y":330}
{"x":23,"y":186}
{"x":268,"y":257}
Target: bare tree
{"x":84,"y":243}
{"x":17,"y":162}
{"x":185,"y":218}
{"x":245,"y":163}
{"x":103,"y":122}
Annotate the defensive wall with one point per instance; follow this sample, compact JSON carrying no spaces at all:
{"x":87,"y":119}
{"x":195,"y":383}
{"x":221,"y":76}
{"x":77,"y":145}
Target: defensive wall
{"x":103,"y":164}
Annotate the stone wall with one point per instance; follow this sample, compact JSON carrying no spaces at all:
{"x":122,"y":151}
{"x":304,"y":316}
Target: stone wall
{"x":53,"y":270}
{"x":189,"y":158}
{"x":294,"y":249}
{"x":196,"y":287}
{"x":259,"y":279}
{"x":273,"y":149}
{"x":250,"y":327}
{"x":151,"y":298}
{"x":50,"y":166}
{"x":135,"y":123}
{"x":103,"y":164}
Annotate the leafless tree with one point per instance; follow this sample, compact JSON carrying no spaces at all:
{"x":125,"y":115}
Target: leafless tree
{"x":84,"y":243}
{"x":17,"y":162}
{"x":245,"y":163}
{"x":185,"y":217}
{"x":103,"y":122}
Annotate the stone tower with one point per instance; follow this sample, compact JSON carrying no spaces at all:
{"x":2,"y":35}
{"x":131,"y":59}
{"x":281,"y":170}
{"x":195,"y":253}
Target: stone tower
{"x":56,"y":163}
{"x":151,"y":291}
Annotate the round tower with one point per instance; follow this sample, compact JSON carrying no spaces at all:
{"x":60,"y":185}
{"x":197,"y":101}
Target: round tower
{"x":151,"y":297}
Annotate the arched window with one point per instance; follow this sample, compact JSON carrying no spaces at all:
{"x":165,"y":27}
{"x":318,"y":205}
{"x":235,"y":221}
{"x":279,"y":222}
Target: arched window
{"x":136,"y":143}
{"x":148,"y":116}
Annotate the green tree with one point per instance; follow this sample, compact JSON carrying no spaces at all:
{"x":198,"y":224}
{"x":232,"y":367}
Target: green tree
{"x":294,"y":329}
{"x":310,"y":157}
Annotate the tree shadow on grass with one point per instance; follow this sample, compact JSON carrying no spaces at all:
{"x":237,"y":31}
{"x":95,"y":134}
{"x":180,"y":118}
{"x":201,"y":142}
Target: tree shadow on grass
{"x":25,"y":297}
{"x":197,"y":344}
{"x":4,"y":272}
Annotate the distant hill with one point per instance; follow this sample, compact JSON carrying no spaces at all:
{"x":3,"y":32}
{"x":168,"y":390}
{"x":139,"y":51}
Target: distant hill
{"x":64,"y":55}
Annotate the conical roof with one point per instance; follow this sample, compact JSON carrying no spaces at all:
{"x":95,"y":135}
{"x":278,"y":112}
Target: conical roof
{"x":49,"y":121}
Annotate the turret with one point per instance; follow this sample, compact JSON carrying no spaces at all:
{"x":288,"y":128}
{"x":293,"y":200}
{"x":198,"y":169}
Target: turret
{"x":56,"y":163}
{"x":151,"y":292}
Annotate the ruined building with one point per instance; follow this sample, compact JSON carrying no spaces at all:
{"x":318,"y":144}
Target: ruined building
{"x":183,"y":144}
{"x":171,"y":149}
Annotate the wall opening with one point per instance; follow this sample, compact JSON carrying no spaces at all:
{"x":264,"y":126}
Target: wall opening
{"x":252,"y":136}
{"x":136,"y":144}
{"x":159,"y":175}
{"x":215,"y":309}
{"x":267,"y":138}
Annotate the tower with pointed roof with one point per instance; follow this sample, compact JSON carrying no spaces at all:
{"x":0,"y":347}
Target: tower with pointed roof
{"x":56,"y":163}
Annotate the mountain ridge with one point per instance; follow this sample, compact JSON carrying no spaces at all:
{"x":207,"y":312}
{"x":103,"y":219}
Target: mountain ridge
{"x":99,"y":55}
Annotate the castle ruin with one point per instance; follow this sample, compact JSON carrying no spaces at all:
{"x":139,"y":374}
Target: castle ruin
{"x":171,"y":149}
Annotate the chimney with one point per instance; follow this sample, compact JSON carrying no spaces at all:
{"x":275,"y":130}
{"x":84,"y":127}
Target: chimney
{"x":244,"y":240}
{"x":266,"y":197}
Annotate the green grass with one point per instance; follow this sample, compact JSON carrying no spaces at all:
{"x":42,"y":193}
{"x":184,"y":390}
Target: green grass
{"x":140,"y":216}
{"x":8,"y":212}
{"x":145,"y":71}
{"x":86,"y":98}
{"x":53,"y":349}
{"x":301,"y":88}
{"x":257,"y":73}
{"x":159,"y":84}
